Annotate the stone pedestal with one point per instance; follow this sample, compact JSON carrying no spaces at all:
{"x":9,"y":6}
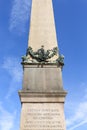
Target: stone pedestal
{"x":42,"y":77}
{"x":42,"y":98}
{"x":42,"y":116}
{"x":42,"y":111}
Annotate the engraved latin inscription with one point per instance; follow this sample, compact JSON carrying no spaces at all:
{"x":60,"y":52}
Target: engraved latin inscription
{"x":43,"y":117}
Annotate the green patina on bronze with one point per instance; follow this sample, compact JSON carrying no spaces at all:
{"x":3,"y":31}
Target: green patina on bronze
{"x":60,"y":60}
{"x":42,"y":56}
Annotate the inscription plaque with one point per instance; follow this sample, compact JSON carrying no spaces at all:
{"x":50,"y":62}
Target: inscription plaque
{"x":42,"y":116}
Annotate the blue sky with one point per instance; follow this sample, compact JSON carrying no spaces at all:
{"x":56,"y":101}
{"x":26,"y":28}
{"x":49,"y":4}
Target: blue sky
{"x":71,"y":28}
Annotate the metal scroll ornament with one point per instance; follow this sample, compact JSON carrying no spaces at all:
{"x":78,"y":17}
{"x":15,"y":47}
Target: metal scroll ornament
{"x":42,"y":56}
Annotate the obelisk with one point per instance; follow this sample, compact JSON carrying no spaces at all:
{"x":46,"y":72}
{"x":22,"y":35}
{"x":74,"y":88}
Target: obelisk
{"x":42,"y":27}
{"x":42,"y":96}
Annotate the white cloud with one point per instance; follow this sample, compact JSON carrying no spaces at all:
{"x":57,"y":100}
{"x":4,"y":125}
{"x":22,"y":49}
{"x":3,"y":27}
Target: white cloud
{"x":78,"y":125}
{"x":7,"y":119}
{"x":13,"y":67}
{"x":79,"y":115}
{"x":20,"y":15}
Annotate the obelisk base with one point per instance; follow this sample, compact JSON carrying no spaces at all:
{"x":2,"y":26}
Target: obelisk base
{"x":42,"y":111}
{"x":41,"y":78}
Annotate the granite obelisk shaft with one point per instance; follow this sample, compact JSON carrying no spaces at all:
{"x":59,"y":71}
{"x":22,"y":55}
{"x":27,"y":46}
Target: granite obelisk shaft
{"x":42,"y":26}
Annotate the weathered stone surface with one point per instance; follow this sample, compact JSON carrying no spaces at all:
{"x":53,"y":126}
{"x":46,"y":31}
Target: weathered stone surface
{"x":42,"y":97}
{"x":42,"y":79}
{"x":42,"y":116}
{"x":42,"y":26}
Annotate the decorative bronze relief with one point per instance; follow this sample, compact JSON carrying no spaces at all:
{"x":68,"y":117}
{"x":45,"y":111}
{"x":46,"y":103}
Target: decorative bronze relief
{"x":42,"y":56}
